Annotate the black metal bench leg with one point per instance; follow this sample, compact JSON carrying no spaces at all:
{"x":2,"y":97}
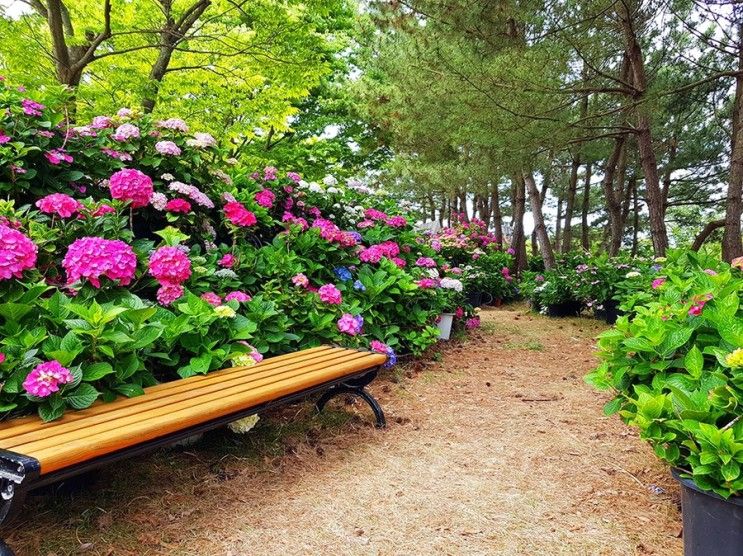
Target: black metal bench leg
{"x":356,"y":391}
{"x":16,"y":472}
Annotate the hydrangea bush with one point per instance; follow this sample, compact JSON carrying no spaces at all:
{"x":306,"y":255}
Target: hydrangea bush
{"x":675,"y":367}
{"x":132,"y":252}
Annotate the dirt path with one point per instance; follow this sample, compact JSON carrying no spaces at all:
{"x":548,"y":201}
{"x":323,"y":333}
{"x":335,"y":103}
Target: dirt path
{"x":496,"y":448}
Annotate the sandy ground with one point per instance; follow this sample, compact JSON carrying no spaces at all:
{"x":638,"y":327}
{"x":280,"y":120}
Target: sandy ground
{"x":495,"y":446}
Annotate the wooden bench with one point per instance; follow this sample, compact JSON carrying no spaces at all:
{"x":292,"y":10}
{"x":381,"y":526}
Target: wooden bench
{"x":34,"y":454}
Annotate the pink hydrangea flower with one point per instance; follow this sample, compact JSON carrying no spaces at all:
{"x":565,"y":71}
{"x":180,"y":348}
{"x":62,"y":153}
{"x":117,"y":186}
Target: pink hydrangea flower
{"x":100,"y":122}
{"x":300,"y":280}
{"x":425,"y":262}
{"x":192,"y":192}
{"x":168,"y":148}
{"x":374,"y":214}
{"x":397,"y":221}
{"x":125,"y":132}
{"x":103,"y":209}
{"x":710,"y":272}
{"x":118,"y":155}
{"x":506,"y":272}
{"x":178,"y":205}
{"x":270,"y":173}
{"x":474,"y":322}
{"x":31,"y":107}
{"x":57,"y":156}
{"x":174,"y":124}
{"x":169,"y":293}
{"x":459,"y":313}
{"x":265,"y":198}
{"x":60,"y":204}
{"x":17,"y":253}
{"x":94,"y":257}
{"x":4,"y":138}
{"x":737,"y":262}
{"x":296,"y":178}
{"x":658,"y":282}
{"x":124,"y":112}
{"x":46,"y":378}
{"x":400,"y":263}
{"x":227,"y":261}
{"x":211,"y":298}
{"x":239,"y":215}
{"x":330,"y":294}
{"x":169,"y":265}
{"x":427,"y":283}
{"x":201,"y":141}
{"x":131,"y":185}
{"x":379,"y":347}
{"x":2,"y":358}
{"x":159,"y":201}
{"x":240,"y":297}
{"x":350,"y":324}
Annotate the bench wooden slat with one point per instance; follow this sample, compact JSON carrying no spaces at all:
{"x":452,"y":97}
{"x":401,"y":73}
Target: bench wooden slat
{"x":12,"y":431}
{"x":106,"y":428}
{"x":132,"y":409}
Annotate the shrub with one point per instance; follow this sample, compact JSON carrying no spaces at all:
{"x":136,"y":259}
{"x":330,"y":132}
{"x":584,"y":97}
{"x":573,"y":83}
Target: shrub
{"x":675,"y":369}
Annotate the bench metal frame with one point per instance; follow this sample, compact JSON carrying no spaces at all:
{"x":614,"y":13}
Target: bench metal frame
{"x":20,"y":474}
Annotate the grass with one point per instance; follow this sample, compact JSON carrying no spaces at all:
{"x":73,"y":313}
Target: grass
{"x":531,"y":345}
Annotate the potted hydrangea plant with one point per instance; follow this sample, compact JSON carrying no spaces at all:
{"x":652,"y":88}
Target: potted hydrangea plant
{"x":676,"y":370}
{"x":453,"y":297}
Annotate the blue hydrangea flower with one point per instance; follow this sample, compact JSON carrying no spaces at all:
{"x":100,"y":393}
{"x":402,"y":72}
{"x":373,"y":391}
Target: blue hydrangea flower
{"x":343,"y":273}
{"x":357,"y":285}
{"x":392,"y":358}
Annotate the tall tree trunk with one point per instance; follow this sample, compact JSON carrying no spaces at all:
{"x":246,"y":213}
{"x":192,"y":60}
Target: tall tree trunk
{"x":613,"y":207}
{"x":656,"y":208}
{"x":518,"y":240}
{"x":584,"y":232}
{"x":636,"y":219}
{"x":534,"y":243}
{"x":732,"y":244}
{"x":558,"y":222}
{"x":539,"y":227}
{"x":567,"y":235}
{"x":497,"y":214}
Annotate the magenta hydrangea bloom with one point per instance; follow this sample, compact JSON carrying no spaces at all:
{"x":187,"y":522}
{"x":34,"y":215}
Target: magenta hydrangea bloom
{"x":427,"y":283}
{"x":168,"y":293}
{"x":131,"y":185}
{"x":57,"y":156}
{"x":46,"y":378}
{"x":330,"y":294}
{"x":178,"y":205}
{"x":374,"y":214}
{"x":4,"y":138}
{"x":17,"y":253}
{"x":60,"y":204}
{"x":167,"y":148}
{"x":397,"y":221}
{"x":103,"y":209}
{"x":658,"y":282}
{"x":31,"y":107}
{"x":94,"y":257}
{"x":270,"y":173}
{"x":239,"y":215}
{"x":473,"y":322}
{"x":296,"y":178}
{"x":265,"y":198}
{"x":350,"y":324}
{"x":240,"y":297}
{"x":170,"y":266}
{"x":100,"y":122}
{"x":227,"y":261}
{"x":379,"y":347}
{"x":211,"y":298}
{"x":425,"y":262}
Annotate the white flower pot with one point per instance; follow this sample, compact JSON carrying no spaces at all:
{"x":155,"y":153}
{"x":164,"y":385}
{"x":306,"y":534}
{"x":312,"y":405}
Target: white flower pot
{"x":445,"y":324}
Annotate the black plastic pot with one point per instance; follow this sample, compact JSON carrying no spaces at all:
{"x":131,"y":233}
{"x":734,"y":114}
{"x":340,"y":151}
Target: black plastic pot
{"x":565,"y":309}
{"x":474,"y":298}
{"x":713,"y":526}
{"x":610,"y":313}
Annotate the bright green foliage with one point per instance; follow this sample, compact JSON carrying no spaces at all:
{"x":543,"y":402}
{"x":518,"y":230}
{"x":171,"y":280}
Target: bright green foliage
{"x":675,"y":374}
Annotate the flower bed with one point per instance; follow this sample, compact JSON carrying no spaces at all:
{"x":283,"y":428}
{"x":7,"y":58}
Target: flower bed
{"x":132,"y":252}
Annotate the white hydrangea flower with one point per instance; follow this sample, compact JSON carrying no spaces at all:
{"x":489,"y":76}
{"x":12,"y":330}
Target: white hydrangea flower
{"x":315,"y":187}
{"x":168,"y":177}
{"x":330,"y":181}
{"x":452,"y":284}
{"x":225,"y":273}
{"x":632,"y":274}
{"x":433,"y":273}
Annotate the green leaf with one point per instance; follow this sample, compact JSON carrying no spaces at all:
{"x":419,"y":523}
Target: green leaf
{"x":83,"y":396}
{"x":49,"y":412}
{"x":97,"y":371}
{"x":694,"y":362}
{"x":130,"y":390}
